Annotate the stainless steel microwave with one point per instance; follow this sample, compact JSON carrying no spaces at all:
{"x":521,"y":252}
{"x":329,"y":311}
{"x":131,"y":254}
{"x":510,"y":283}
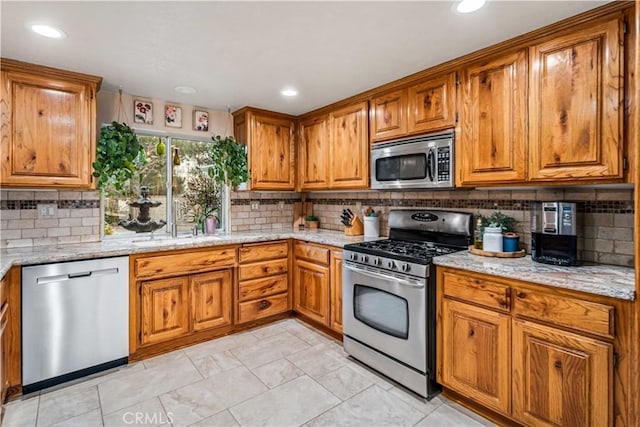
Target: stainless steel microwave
{"x":418,"y":162}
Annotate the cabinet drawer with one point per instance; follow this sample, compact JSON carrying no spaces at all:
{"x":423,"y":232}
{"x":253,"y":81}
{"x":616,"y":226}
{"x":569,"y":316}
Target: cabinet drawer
{"x":260,"y":288}
{"x":252,"y":253}
{"x":257,"y":309}
{"x":478,"y":291}
{"x":316,"y":254}
{"x":263,"y":269}
{"x":184,"y":263}
{"x":570,"y":312}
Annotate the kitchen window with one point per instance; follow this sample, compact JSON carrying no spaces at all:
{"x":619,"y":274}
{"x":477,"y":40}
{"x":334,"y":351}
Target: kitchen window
{"x":176,"y":174}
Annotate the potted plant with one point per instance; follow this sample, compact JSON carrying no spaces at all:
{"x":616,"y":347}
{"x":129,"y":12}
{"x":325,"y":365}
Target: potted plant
{"x":311,"y":221}
{"x":202,"y":196}
{"x":230,"y":164}
{"x":118,"y":156}
{"x":510,"y":239}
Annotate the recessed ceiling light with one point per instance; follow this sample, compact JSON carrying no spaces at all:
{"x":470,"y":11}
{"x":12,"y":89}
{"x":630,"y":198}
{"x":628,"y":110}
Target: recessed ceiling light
{"x":184,"y":89}
{"x":468,"y":6}
{"x":47,"y":31}
{"x":289,"y":92}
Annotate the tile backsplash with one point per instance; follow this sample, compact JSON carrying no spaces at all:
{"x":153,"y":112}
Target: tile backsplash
{"x":605,"y":216}
{"x":76,"y":219}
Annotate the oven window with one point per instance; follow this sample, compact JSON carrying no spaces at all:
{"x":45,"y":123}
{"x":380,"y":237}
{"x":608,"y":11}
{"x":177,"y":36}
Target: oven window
{"x":405,"y":167}
{"x":381,"y":310}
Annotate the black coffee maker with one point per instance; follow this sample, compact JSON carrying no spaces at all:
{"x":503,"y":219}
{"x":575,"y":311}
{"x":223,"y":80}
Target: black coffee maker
{"x":553,"y":233}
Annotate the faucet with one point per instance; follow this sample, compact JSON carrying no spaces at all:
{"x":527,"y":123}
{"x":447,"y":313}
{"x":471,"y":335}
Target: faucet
{"x":174,"y":217}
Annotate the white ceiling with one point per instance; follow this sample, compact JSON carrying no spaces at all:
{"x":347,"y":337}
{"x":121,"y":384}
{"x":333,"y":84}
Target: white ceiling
{"x":243,"y":53}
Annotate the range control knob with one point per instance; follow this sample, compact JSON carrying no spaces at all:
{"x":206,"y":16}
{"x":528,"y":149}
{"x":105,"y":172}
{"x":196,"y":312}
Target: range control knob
{"x":364,"y":258}
{"x":377,"y":261}
{"x":354,"y":257}
{"x":406,"y":267}
{"x":391,"y":265}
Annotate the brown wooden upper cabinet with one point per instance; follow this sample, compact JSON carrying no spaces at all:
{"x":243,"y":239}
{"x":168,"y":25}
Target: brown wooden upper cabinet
{"x":270,"y":142}
{"x":431,"y":104}
{"x":492,"y":142}
{"x":48,"y":126}
{"x":334,"y":150}
{"x":426,"y":106}
{"x":575,"y":104}
{"x":388,"y":115}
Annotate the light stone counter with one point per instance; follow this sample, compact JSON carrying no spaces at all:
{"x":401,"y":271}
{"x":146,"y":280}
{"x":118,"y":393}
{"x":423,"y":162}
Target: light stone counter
{"x":142,"y":244}
{"x":607,"y":280}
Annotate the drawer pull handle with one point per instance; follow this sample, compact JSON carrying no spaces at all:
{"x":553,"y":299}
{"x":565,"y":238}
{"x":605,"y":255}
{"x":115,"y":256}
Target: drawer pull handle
{"x":264,"y":304}
{"x":521,"y":295}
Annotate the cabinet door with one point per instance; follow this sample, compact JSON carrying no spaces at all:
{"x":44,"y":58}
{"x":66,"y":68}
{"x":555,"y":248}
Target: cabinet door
{"x":272,"y":154}
{"x":560,"y":378}
{"x":313,"y":158}
{"x":476,"y":354}
{"x":4,"y":319}
{"x":336,"y":291}
{"x":431,"y":104}
{"x":48,"y":132}
{"x":575,"y":105}
{"x":388,"y":115}
{"x":311,"y":290}
{"x":493,"y":140}
{"x":165,"y":309}
{"x":349,"y":147}
{"x":210,"y":299}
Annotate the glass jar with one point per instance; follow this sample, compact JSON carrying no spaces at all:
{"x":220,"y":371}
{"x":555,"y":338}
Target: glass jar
{"x":492,"y":239}
{"x":477,"y":235}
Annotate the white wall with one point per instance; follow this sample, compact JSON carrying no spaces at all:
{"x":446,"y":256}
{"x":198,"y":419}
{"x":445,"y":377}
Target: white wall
{"x":220,"y":122}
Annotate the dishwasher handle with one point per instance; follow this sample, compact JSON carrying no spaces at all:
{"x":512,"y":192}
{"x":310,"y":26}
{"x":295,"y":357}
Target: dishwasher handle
{"x":71,"y":276}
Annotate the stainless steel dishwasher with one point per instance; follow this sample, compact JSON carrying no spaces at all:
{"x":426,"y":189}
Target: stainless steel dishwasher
{"x":75,"y":320}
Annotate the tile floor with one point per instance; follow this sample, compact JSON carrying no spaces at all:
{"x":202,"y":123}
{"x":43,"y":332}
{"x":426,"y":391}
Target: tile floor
{"x":283,"y":374}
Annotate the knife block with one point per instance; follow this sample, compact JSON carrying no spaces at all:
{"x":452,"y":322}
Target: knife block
{"x":356,"y":228}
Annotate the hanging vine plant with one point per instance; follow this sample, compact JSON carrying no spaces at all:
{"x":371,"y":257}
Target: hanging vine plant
{"x":230,"y":164}
{"x":119,"y":153}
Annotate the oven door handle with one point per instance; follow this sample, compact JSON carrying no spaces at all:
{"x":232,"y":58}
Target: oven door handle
{"x":412,"y":283}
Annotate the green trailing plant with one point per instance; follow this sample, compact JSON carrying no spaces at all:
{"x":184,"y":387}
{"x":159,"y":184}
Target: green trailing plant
{"x":230,"y":164}
{"x":119,"y":154}
{"x":498,"y":219}
{"x":311,"y":218}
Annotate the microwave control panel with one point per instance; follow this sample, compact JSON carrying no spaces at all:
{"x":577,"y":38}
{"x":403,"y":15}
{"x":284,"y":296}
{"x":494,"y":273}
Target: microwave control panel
{"x":444,"y":164}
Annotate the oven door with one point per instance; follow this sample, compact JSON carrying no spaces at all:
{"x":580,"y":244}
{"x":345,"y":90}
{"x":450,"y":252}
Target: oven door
{"x":386,"y":313}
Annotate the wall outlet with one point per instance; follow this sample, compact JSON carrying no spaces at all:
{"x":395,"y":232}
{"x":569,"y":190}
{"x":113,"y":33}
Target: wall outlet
{"x":281,"y":205}
{"x":255,"y":205}
{"x":49,"y":210}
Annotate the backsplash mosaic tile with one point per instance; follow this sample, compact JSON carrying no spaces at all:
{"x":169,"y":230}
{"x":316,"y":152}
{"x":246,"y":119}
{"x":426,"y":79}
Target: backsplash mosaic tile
{"x":77,"y":218}
{"x":606,"y":216}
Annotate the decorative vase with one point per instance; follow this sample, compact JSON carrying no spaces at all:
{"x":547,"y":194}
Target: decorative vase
{"x":510,"y":242}
{"x":210,"y":225}
{"x":311,"y":224}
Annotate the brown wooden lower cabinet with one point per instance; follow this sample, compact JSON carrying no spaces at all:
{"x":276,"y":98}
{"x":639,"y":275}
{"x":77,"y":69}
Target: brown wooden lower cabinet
{"x":560,"y":378}
{"x":263,"y":289}
{"x":476,"y":345}
{"x":336,"y":291}
{"x":311,"y":290}
{"x":165,"y":309}
{"x":210,"y":299}
{"x":505,"y":347}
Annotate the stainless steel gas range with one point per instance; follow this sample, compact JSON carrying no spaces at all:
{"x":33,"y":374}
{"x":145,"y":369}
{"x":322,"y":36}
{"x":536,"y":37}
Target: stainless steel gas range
{"x":389,"y":306}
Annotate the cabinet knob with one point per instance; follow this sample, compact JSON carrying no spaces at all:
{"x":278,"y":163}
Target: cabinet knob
{"x":521,"y":295}
{"x":264,"y":304}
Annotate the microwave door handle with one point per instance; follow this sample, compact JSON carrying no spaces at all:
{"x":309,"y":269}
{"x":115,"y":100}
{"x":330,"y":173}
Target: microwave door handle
{"x":414,"y":284}
{"x":431,"y":163}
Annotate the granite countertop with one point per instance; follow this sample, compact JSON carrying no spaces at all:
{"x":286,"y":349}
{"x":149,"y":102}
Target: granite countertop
{"x":143,"y":243}
{"x":606,"y":280}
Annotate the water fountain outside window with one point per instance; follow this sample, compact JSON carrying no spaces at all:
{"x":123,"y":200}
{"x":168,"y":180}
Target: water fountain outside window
{"x":143,"y":223}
